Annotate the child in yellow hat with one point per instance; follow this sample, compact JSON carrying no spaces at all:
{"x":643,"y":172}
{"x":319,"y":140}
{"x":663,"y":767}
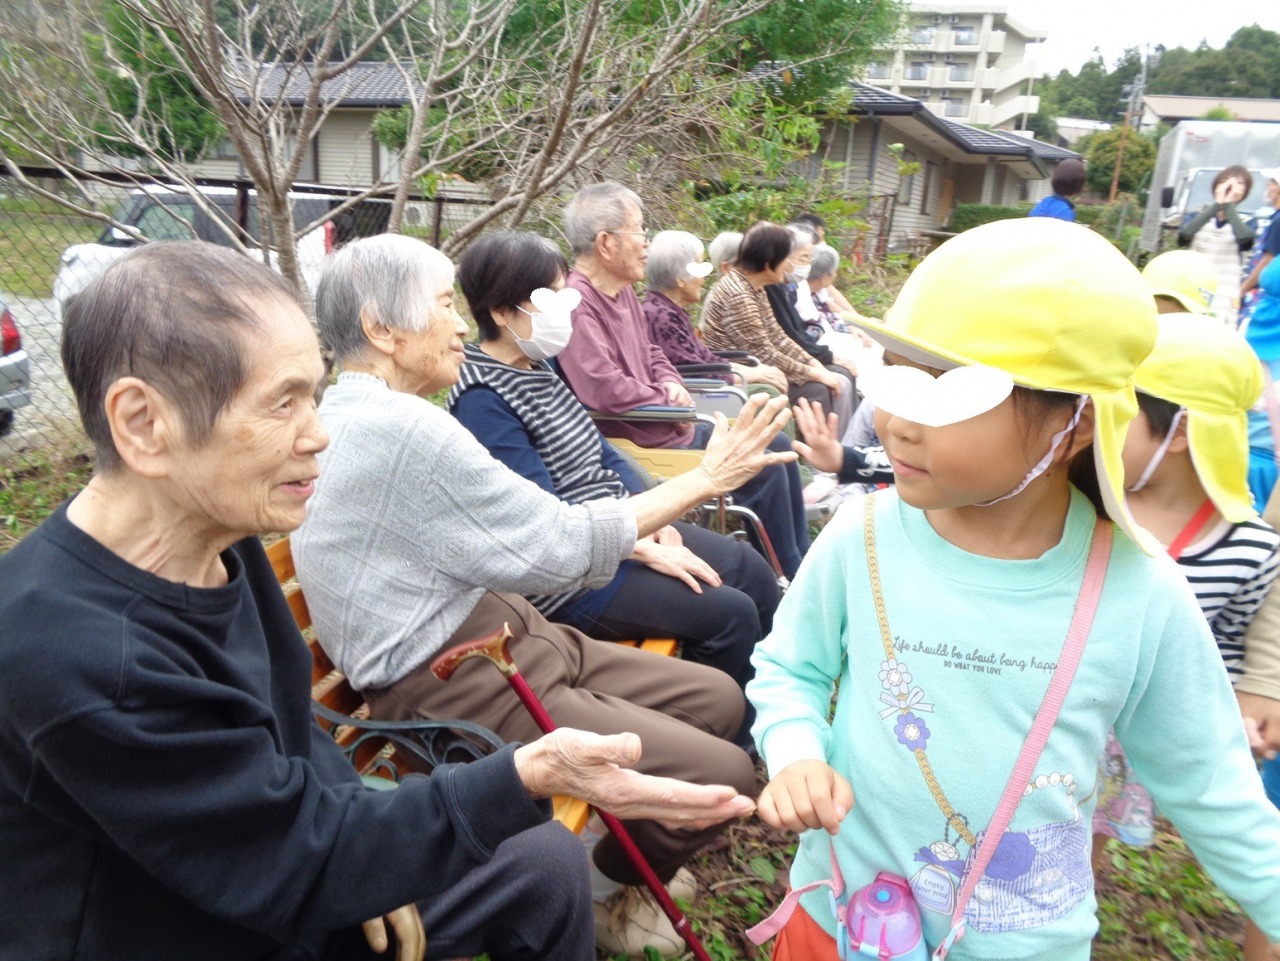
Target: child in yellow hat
{"x":938,"y":614}
{"x":1186,"y":464}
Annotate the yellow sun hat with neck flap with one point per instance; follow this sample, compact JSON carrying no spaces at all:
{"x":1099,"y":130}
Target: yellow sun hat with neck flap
{"x":1052,"y":304}
{"x":1187,"y":276}
{"x":1212,"y":372}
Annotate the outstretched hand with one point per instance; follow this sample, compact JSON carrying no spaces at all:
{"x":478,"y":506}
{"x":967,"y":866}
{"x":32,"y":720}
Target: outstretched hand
{"x":736,"y":454}
{"x":594,"y":767}
{"x":406,"y":922}
{"x":805,"y":795}
{"x":820,"y":446}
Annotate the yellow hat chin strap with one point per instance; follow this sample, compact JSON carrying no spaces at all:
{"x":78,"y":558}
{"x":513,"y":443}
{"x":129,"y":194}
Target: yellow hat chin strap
{"x":1043,"y":464}
{"x":1158,"y":456}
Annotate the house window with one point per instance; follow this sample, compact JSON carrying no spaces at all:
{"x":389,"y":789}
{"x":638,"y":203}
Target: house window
{"x":918,"y":71}
{"x":922,"y":35}
{"x":878,"y":71}
{"x":225,"y":150}
{"x":964,"y":36}
{"x":954,"y":107}
{"x":960,"y":72}
{"x":906,"y":182}
{"x":929,"y":169}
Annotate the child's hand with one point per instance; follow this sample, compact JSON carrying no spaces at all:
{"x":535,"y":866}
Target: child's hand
{"x":1261,"y":722}
{"x":820,"y":446}
{"x":806,"y":794}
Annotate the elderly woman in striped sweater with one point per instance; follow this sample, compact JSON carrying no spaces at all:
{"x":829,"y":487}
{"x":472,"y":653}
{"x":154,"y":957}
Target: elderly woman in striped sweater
{"x":715,"y":595}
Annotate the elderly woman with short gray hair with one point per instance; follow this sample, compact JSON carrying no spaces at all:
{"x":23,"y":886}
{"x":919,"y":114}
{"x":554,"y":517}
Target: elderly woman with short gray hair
{"x":676,"y":271}
{"x":416,"y":540}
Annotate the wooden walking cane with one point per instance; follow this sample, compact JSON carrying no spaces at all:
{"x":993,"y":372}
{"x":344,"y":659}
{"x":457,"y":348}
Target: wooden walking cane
{"x":496,"y":650}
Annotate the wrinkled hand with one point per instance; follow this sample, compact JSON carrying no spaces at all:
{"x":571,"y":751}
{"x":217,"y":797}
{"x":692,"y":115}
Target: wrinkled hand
{"x":594,"y":767}
{"x":766,"y":374}
{"x":804,"y":795}
{"x":849,"y":363}
{"x":1262,"y":722}
{"x":827,"y":379}
{"x":677,"y":396}
{"x":820,"y":446}
{"x":736,"y":454}
{"x":406,"y":922}
{"x":676,"y":561}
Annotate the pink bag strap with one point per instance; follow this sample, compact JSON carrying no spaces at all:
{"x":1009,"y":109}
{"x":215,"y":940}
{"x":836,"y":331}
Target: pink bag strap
{"x":1095,"y":574}
{"x":775,"y":922}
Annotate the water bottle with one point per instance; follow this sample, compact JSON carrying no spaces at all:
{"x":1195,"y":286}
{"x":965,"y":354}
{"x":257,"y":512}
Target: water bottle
{"x":883,"y":921}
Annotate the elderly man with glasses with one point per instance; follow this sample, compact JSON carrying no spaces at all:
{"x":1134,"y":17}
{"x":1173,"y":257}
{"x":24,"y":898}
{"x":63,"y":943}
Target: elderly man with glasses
{"x":613,"y":367}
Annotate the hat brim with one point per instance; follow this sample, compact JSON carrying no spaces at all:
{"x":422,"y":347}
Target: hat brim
{"x":1112,"y":412}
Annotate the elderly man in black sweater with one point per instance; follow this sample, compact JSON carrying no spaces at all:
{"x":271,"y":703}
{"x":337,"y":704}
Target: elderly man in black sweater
{"x":164,"y":792}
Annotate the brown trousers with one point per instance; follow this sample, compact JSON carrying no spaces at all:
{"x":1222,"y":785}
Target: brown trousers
{"x":683,"y":712}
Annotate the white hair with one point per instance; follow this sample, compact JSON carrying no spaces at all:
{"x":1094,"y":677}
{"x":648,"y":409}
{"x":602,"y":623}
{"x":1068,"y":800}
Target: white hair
{"x":825,"y":260}
{"x":802,"y":235}
{"x":596,"y":208}
{"x":398,"y":278}
{"x":669,"y":253}
{"x":724,"y":247}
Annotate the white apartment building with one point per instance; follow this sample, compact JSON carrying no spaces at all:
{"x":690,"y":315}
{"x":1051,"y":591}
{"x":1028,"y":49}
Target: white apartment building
{"x":964,"y":61}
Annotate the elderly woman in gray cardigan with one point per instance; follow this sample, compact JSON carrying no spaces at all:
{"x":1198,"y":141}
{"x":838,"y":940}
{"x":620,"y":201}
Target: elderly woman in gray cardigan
{"x":417,"y":540}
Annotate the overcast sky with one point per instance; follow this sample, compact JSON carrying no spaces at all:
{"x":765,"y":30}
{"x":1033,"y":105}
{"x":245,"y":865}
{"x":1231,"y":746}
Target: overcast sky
{"x":1074,"y":29}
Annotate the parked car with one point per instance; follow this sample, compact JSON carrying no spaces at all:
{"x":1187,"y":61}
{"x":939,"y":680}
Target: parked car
{"x":172,"y":213}
{"x":15,"y":372}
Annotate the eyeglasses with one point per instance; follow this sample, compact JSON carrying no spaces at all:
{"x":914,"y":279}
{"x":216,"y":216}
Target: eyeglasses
{"x":646,"y":234}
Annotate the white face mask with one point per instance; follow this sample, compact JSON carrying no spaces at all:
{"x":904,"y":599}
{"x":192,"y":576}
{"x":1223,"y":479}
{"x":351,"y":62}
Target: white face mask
{"x":800,"y":272}
{"x":552,"y":322}
{"x":549,"y":334}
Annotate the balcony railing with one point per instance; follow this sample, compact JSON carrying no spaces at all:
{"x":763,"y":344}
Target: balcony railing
{"x":916,"y":73}
{"x":922,"y":36}
{"x":960,"y":74}
{"x":879,"y":72}
{"x":953,"y":108}
{"x":964,"y":38}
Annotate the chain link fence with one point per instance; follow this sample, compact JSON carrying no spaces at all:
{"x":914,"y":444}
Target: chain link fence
{"x":47,"y":252}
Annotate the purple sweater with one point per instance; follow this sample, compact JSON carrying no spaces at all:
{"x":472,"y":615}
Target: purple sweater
{"x":671,"y":331}
{"x":611,"y":365}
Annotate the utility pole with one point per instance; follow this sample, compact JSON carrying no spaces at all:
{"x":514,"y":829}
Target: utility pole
{"x":1133,"y":104}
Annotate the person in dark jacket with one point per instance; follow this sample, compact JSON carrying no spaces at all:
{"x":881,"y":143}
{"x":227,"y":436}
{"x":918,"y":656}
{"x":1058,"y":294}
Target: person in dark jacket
{"x":1067,"y":181}
{"x":164,"y":790}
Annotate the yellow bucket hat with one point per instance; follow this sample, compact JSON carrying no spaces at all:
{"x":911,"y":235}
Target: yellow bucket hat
{"x":1187,"y":276}
{"x":1052,"y":304}
{"x":1212,"y":371}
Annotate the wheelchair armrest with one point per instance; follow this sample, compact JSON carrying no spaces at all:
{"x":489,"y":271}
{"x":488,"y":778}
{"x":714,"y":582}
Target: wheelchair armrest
{"x":648,"y":412}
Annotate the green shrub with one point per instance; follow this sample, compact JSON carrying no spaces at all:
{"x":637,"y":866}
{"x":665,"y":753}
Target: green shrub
{"x":968,"y":216}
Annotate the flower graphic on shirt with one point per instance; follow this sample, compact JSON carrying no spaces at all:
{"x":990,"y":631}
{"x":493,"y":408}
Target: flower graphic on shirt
{"x":912,"y":732}
{"x":1013,"y":857}
{"x":894,"y":676}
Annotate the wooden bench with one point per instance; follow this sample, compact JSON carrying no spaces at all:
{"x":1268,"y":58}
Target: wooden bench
{"x":386,"y":750}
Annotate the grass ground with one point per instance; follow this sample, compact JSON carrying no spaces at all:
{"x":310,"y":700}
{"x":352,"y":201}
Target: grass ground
{"x":33,"y":234}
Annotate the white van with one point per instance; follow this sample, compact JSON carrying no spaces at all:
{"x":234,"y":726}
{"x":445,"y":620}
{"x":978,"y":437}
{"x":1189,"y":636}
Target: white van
{"x":172,"y":213}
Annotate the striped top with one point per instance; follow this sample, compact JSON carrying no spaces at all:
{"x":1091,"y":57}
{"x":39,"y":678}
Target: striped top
{"x":559,"y":430}
{"x":1230,"y":570}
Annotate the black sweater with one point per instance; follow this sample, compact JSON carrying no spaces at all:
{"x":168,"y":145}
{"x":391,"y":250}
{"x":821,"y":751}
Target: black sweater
{"x":164,"y":790}
{"x":782,"y":300}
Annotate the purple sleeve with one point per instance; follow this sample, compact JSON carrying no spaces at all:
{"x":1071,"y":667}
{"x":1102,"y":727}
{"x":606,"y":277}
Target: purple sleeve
{"x":674,"y":336}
